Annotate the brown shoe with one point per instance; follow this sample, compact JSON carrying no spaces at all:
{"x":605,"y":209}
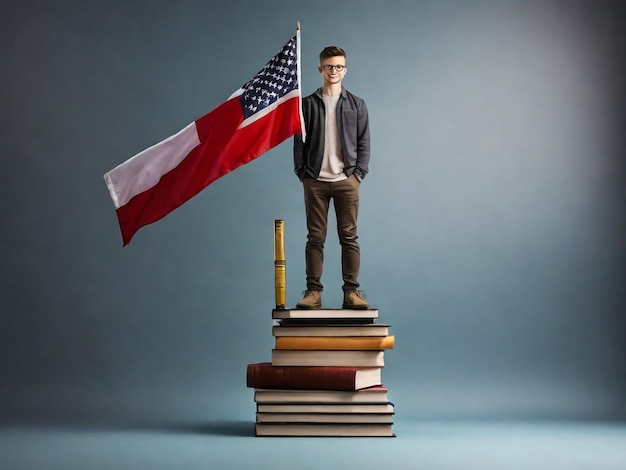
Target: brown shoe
{"x":311,"y":299}
{"x":355,"y":300}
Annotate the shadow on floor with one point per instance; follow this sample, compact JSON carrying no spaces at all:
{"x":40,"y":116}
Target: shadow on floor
{"x":211,"y":428}
{"x":215,"y":428}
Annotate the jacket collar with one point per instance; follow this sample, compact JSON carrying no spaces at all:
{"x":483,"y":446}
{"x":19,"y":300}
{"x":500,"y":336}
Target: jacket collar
{"x":344,"y":92}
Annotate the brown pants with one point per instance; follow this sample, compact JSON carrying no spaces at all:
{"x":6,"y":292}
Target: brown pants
{"x":345,"y":196}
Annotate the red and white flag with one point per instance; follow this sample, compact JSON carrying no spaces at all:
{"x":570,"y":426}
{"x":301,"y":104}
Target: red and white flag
{"x":258,"y":116}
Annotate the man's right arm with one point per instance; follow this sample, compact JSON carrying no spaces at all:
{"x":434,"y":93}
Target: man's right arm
{"x":299,"y":161}
{"x":298,"y":156}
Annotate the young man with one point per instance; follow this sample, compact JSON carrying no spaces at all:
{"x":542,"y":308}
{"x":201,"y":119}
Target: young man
{"x":331,"y":165}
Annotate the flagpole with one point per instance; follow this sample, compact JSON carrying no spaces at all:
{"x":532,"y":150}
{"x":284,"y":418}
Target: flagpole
{"x":298,"y":62}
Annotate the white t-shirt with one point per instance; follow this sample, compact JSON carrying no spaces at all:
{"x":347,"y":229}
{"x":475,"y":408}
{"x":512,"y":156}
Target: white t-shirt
{"x":332,"y":163}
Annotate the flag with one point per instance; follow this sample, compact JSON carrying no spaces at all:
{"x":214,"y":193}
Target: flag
{"x":258,"y":116}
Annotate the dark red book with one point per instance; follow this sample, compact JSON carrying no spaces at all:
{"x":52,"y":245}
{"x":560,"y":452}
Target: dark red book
{"x":264,"y":375}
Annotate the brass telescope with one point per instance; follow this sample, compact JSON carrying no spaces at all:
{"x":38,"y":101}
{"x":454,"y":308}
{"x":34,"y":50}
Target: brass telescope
{"x":280,"y":281}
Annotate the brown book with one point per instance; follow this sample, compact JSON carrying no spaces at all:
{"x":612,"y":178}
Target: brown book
{"x":339,"y":343}
{"x":283,"y":397}
{"x":299,"y":357}
{"x":264,"y":375}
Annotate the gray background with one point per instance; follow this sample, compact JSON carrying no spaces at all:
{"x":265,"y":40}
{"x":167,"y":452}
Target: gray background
{"x":492,"y":223}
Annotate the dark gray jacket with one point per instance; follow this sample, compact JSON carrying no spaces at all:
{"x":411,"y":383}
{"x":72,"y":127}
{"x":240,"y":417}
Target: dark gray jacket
{"x":353,"y":123}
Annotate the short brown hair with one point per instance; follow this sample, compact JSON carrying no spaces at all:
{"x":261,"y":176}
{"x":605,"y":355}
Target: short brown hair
{"x":331,"y":51}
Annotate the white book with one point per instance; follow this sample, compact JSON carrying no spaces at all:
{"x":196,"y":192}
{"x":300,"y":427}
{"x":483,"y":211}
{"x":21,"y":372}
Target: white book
{"x":321,"y":314}
{"x":367,"y":395}
{"x":366,"y":418}
{"x":323,"y":430}
{"x":298,"y":357}
{"x":325,"y":408}
{"x":332,"y":329}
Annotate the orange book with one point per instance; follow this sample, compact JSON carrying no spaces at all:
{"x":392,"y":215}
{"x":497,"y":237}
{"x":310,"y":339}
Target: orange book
{"x":336,"y":343}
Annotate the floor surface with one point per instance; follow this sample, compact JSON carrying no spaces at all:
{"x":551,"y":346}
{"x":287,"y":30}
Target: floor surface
{"x":231,"y":445}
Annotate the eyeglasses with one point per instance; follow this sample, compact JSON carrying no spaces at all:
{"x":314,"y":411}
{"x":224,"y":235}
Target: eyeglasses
{"x":329,"y":68}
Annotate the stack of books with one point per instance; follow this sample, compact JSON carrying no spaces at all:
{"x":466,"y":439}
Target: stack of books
{"x":325,"y":377}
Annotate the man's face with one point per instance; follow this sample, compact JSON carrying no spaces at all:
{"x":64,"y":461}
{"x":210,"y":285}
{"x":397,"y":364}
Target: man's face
{"x":333,"y":69}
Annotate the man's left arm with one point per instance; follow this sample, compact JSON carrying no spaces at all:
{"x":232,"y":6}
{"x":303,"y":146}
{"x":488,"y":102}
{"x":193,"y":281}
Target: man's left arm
{"x":363,"y":142}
